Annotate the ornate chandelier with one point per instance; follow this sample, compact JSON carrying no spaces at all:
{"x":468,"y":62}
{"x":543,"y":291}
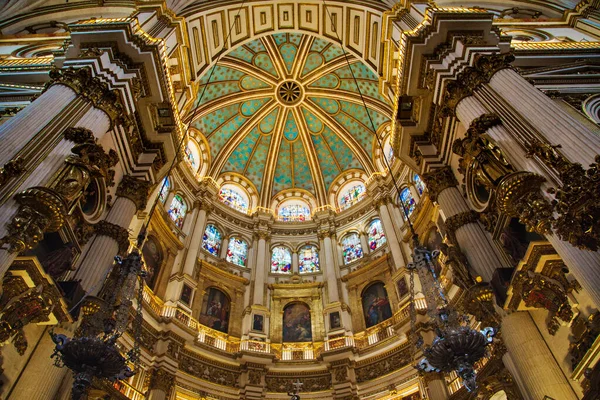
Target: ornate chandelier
{"x":457,"y":346}
{"x":93,"y":351}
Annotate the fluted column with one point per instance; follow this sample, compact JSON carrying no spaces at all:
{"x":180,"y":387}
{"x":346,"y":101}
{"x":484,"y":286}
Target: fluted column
{"x":111,"y":234}
{"x":462,"y":222}
{"x":330,"y":267}
{"x":161,"y":384}
{"x":579,"y":143}
{"x":533,"y":360}
{"x":390,"y":233}
{"x":196,"y":239}
{"x":582,"y":263}
{"x":436,"y":387}
{"x":262,"y":257}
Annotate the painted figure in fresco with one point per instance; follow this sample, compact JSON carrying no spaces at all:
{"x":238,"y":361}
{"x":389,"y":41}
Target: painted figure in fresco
{"x":376,"y":306}
{"x":297,"y":323}
{"x":215,"y":310}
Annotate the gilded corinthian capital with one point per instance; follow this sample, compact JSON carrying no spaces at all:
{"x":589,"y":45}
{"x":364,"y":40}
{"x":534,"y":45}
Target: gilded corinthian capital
{"x":438,"y":180}
{"x":135,"y":190}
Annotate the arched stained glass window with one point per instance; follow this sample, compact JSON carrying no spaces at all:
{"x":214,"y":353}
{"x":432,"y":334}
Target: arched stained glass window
{"x":294,"y":212}
{"x":408,"y":201}
{"x":233,"y":199}
{"x":390,"y":156}
{"x":352,"y":195}
{"x":376,"y":235}
{"x":352,"y":248}
{"x":165,"y":186}
{"x":192,"y":155}
{"x":177,"y":210}
{"x":211,"y":240}
{"x":308,"y":260}
{"x":237,"y":252}
{"x":281,"y":260}
{"x":419,"y":184}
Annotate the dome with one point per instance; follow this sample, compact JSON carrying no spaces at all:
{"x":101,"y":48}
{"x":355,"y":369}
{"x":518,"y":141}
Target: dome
{"x":285,"y":111}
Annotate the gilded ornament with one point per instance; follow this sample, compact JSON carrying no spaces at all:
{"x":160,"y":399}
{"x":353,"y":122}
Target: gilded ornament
{"x":162,"y":380}
{"x":40,"y":210}
{"x":78,"y":135}
{"x":135,"y":190}
{"x":438,"y":180}
{"x":459,"y":220}
{"x":340,"y":374}
{"x":285,"y":383}
{"x":577,"y":202}
{"x":254,"y":377}
{"x":116,"y":232}
{"x":519,"y":195}
{"x":11,"y":169}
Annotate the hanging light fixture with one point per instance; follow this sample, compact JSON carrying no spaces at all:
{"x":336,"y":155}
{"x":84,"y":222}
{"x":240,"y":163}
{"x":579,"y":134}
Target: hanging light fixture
{"x":93,"y":352}
{"x":457,"y":346}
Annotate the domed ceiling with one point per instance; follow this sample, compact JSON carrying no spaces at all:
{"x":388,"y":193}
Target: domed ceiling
{"x":284,"y":111}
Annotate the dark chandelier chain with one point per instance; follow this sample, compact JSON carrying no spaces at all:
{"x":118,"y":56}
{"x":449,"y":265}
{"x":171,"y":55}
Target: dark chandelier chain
{"x":93,"y":352}
{"x":457,"y":347}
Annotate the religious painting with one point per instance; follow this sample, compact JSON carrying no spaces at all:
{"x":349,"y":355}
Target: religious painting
{"x":402,"y":288}
{"x":296,"y":323}
{"x":376,"y":305}
{"x":335,"y":321}
{"x":308,"y":257}
{"x":152,"y":260}
{"x":376,"y":235}
{"x":281,"y":260}
{"x":215,"y":310}
{"x":237,"y":252}
{"x":352,"y":249}
{"x":186,"y":295}
{"x":258,"y":323}
{"x":211,"y":240}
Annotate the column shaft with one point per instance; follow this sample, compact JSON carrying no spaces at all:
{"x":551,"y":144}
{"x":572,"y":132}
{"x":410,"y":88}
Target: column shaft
{"x":330,"y":270}
{"x":195,"y":243}
{"x":260,"y":271}
{"x":533,"y":360}
{"x":390,"y":233}
{"x":437,"y":388}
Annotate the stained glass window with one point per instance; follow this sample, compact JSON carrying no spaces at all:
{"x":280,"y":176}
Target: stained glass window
{"x":237,"y":252}
{"x":294,"y":212}
{"x":352,"y":248}
{"x":376,"y":235}
{"x":164,"y":190}
{"x":419,"y":184}
{"x":211,"y":240}
{"x":192,"y":155}
{"x":390,"y":156}
{"x":408,"y":201}
{"x":352,"y":196}
{"x":281,"y":260}
{"x":308,"y":258}
{"x":177,"y":210}
{"x":233,"y":199}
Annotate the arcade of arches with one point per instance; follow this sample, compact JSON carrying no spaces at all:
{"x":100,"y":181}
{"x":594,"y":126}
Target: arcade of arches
{"x":281,"y":149}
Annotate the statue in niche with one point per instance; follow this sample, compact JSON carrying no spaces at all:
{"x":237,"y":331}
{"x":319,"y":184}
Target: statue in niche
{"x":59,"y":261}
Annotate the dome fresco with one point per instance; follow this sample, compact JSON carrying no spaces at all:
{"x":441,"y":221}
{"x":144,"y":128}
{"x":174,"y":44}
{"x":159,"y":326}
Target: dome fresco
{"x":284,"y":111}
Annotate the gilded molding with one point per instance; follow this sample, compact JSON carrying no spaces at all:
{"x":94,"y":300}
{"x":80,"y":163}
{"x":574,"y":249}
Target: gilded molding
{"x":91,"y":88}
{"x":40,"y":210}
{"x":576,"y":202}
{"x":135,"y":190}
{"x":116,"y":232}
{"x":78,"y":135}
{"x":11,"y":169}
{"x":438,"y":180}
{"x":519,"y":195}
{"x":484,"y":67}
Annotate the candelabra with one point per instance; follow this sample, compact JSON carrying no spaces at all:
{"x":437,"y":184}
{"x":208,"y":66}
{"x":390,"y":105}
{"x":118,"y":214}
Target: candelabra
{"x":457,"y":346}
{"x":93,"y":352}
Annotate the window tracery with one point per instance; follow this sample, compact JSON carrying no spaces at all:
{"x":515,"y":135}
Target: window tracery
{"x":233,"y":199}
{"x":164,"y":191}
{"x":308,"y":257}
{"x":352,"y":249}
{"x":294,"y":213}
{"x":352,"y":195}
{"x":408,"y":201}
{"x":211,"y":240}
{"x":177,"y":210}
{"x":281,"y":260}
{"x":237,"y":252}
{"x":376,"y":235}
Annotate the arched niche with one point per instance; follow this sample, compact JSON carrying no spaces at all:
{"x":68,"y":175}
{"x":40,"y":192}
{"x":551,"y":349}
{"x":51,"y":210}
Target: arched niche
{"x":297,"y":323}
{"x":215,"y":310}
{"x":375,"y":304}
